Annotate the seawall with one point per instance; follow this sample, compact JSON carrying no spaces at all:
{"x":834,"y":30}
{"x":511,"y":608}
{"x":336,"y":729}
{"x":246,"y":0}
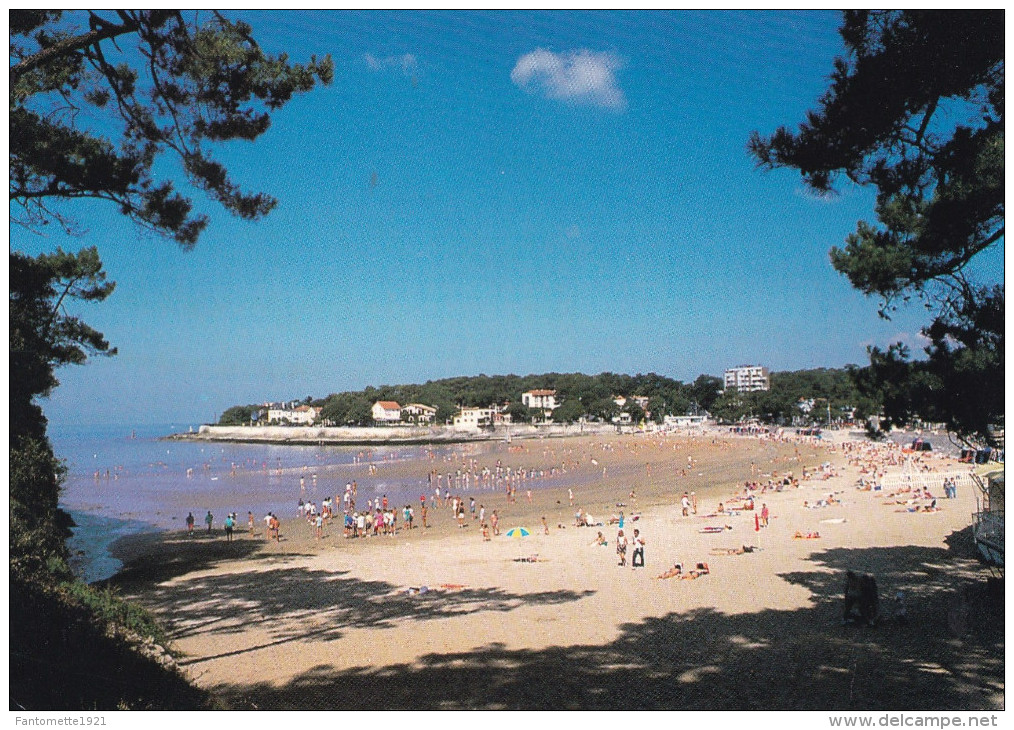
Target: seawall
{"x":388,"y":435}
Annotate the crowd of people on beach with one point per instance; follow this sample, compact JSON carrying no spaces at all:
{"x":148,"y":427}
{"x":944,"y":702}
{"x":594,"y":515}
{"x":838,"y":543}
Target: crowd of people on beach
{"x":445,"y":486}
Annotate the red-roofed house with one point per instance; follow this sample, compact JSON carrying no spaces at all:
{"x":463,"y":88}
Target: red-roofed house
{"x":545,"y":399}
{"x":386,"y":411}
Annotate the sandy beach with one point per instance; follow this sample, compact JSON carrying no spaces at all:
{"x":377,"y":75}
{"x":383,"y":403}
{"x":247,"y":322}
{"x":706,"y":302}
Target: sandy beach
{"x":440,"y":618}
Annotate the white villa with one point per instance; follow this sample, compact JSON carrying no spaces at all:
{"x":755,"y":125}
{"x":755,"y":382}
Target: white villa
{"x":419,"y":412}
{"x":472,"y":419}
{"x":300,"y":415}
{"x":544,"y":399}
{"x":386,"y":411}
{"x":641,"y":400}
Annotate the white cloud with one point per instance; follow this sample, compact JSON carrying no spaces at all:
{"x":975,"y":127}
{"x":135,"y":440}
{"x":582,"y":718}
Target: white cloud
{"x":407,"y":62}
{"x":580,"y":76}
{"x":916,"y":342}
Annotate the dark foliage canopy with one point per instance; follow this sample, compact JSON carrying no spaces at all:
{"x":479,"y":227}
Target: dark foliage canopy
{"x":96,"y":98}
{"x":915,"y":110}
{"x":99,"y":103}
{"x":593,"y":396}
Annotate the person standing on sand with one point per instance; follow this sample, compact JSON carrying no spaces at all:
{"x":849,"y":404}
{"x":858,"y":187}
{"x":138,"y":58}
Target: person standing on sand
{"x":250,"y":522}
{"x":275,"y":524}
{"x":209,"y":519}
{"x":545,"y":527}
{"x":764,"y":514}
{"x":685,"y":503}
{"x":495,"y":522}
{"x":638,"y":560}
{"x":570,"y":493}
{"x":621,"y":548}
{"x":190,"y":524}
{"x":693,"y":502}
{"x":228,"y":528}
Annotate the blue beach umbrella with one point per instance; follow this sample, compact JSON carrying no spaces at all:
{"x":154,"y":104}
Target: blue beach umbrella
{"x":518,"y":532}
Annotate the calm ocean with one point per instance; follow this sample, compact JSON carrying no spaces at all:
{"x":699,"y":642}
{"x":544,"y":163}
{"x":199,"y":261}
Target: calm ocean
{"x":125,"y":480}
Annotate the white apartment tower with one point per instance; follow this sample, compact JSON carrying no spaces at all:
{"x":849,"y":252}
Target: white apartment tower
{"x":747,"y":378}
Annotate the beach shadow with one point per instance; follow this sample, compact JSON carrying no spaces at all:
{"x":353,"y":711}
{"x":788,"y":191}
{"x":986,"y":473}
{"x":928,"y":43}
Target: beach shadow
{"x":291,"y":603}
{"x":176,"y":555}
{"x":799,"y":659}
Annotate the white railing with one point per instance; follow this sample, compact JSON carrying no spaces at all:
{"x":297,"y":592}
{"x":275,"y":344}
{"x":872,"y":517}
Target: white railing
{"x":930,"y":479}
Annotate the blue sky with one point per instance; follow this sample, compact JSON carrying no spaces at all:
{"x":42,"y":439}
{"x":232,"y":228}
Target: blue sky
{"x":493,"y":193}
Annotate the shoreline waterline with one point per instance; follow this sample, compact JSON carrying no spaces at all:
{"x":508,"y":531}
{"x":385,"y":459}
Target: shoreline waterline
{"x":156,"y":489}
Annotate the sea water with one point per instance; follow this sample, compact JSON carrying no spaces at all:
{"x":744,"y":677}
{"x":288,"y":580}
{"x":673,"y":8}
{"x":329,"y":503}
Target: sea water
{"x":126,"y":480}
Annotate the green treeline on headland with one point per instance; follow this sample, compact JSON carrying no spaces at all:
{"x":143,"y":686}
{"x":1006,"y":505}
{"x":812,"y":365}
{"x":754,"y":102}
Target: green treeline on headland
{"x":793,"y":395}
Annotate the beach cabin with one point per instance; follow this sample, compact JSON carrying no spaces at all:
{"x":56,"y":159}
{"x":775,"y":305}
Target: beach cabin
{"x":684,"y":421}
{"x":988,"y":528}
{"x":386,"y":411}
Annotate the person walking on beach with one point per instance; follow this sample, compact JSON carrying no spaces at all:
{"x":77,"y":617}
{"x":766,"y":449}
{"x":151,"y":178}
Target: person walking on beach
{"x":229,"y":523}
{"x":545,"y":526}
{"x":275,"y":524}
{"x":685,"y":503}
{"x":209,"y":519}
{"x":190,"y":524}
{"x":250,"y":522}
{"x":764,"y":514}
{"x":621,"y":548}
{"x":638,"y":560}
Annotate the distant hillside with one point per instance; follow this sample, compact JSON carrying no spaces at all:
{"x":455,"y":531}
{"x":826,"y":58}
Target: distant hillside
{"x":594,"y":396}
